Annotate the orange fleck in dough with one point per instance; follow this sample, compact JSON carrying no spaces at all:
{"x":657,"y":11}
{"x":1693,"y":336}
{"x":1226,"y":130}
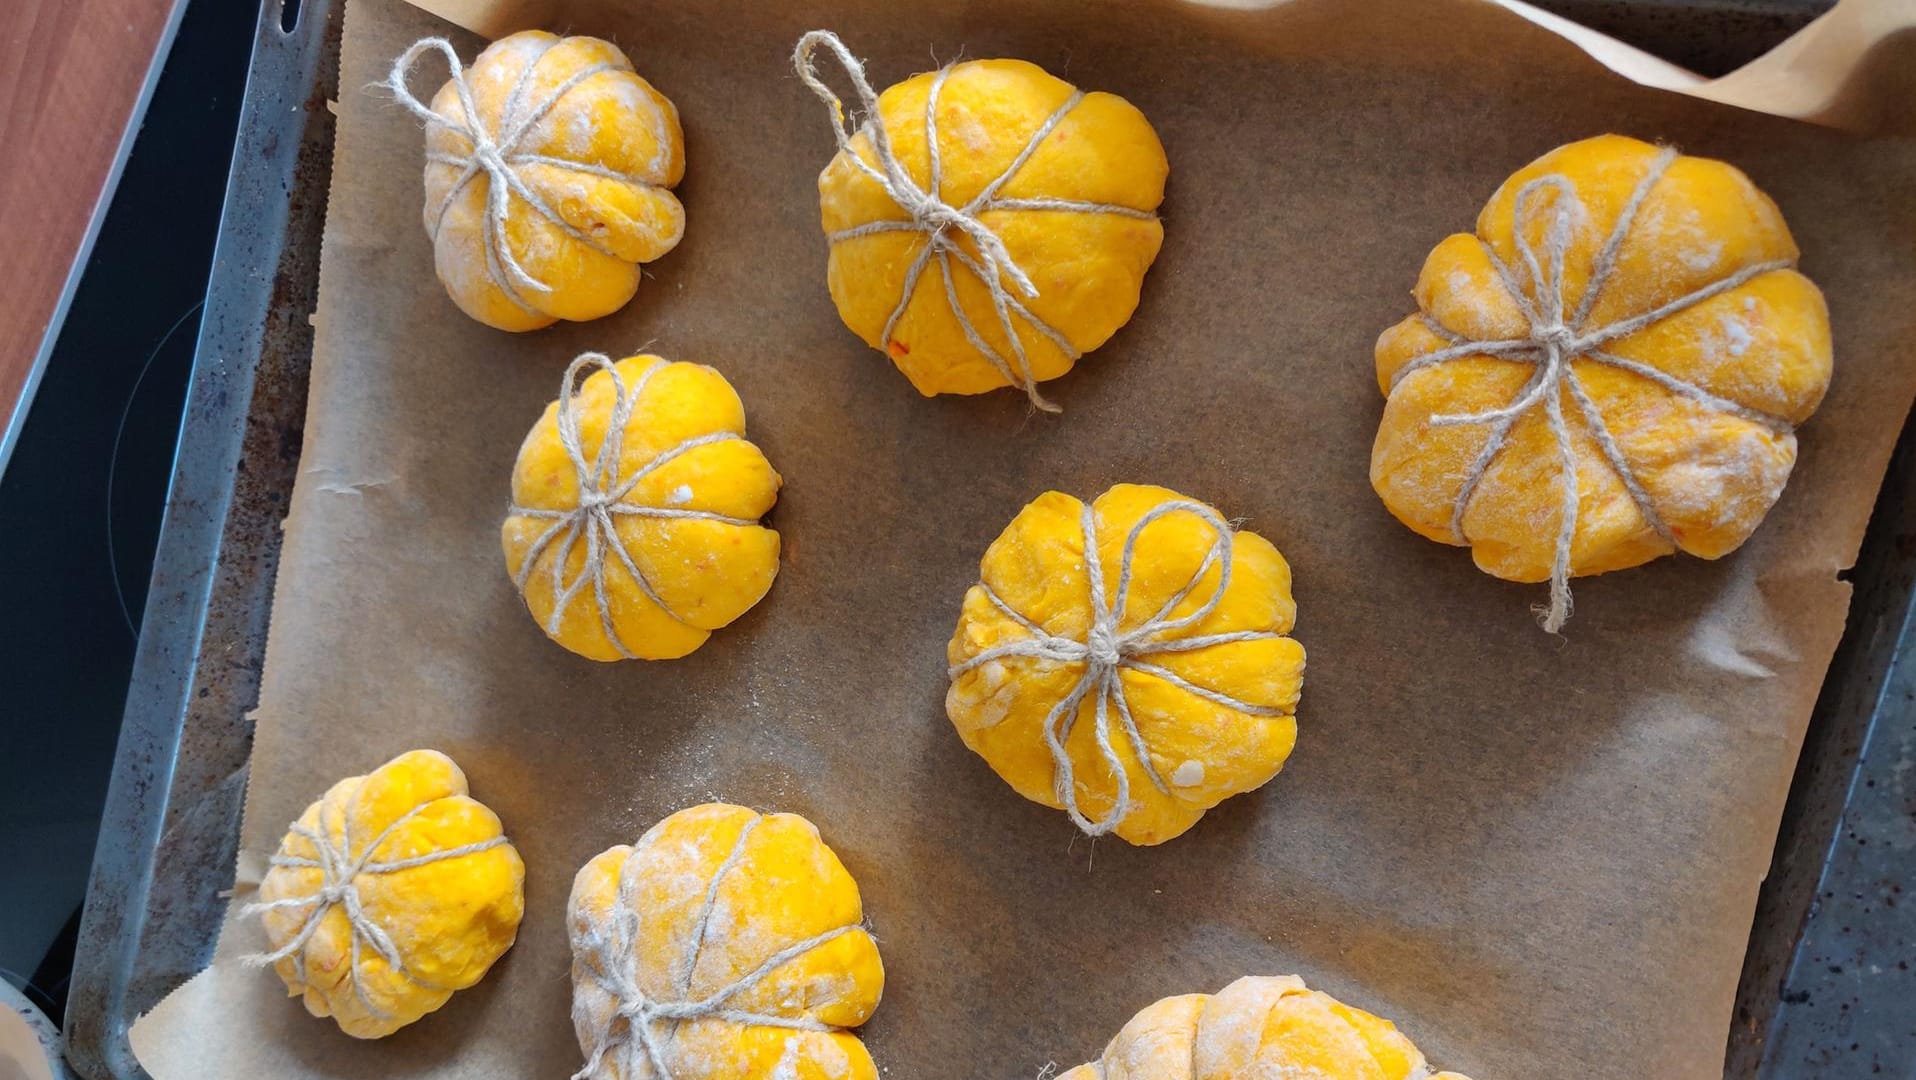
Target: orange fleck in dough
{"x":425,"y":929}
{"x":1201,"y":667}
{"x":1699,"y":403}
{"x":644,"y":553}
{"x":1086,"y":263}
{"x":724,"y":945}
{"x":602,"y":158}
{"x":1259,"y":1026}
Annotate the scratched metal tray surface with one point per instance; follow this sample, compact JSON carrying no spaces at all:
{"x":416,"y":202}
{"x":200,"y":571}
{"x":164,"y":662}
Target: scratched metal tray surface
{"x":1827,"y":983}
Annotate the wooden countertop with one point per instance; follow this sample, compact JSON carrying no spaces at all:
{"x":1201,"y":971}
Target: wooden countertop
{"x":72,"y":72}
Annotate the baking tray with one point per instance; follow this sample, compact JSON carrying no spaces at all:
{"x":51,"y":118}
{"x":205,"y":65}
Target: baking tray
{"x":1827,"y":979}
{"x":169,"y":832}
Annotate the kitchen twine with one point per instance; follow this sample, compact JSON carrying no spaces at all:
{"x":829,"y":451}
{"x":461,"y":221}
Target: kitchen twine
{"x":603,"y":495}
{"x":939,"y":220}
{"x":497,"y":155}
{"x":1107,"y":650}
{"x":339,"y":874}
{"x":1554,"y":341}
{"x":615,"y":943}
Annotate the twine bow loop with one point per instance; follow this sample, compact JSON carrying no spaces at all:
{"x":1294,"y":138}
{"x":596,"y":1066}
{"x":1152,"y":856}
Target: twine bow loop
{"x":1551,"y":207}
{"x":496,"y":153}
{"x":1108,"y":650}
{"x":927,"y":212}
{"x":604,"y":497}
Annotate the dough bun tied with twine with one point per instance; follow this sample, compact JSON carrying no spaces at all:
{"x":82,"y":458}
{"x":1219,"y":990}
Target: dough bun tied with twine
{"x":634,"y":530}
{"x":724,"y":945}
{"x":392,"y":891}
{"x":1611,"y":369}
{"x":989,"y":223}
{"x":549,"y":169}
{"x":1127,"y":661}
{"x":1264,"y":1026}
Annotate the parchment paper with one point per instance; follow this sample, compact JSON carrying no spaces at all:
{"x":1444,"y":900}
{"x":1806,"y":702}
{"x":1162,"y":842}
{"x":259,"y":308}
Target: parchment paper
{"x":1539,"y":855}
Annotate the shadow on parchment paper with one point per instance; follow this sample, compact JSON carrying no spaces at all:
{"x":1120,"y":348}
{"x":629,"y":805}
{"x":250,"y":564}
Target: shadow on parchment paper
{"x":414,"y":1050}
{"x":1880,"y":91}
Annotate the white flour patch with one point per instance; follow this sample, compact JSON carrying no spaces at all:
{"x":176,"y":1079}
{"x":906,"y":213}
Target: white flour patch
{"x":1736,"y":334}
{"x":1702,"y":258}
{"x":787,"y":1067}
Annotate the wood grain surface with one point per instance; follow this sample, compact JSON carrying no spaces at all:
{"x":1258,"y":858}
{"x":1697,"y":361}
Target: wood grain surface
{"x":71,"y":72}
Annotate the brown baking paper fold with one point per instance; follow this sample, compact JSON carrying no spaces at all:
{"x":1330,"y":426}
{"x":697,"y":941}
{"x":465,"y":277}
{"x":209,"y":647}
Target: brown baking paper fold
{"x":1849,"y":68}
{"x":1539,"y":855}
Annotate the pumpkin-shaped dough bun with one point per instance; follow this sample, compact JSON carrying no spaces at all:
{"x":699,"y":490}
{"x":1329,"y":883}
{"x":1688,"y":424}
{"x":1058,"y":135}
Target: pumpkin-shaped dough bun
{"x":1609,"y":370}
{"x":634,"y":529}
{"x":724,"y":945}
{"x":1020,"y":190}
{"x":1259,"y":1026}
{"x":1127,"y":661}
{"x":587,"y":151}
{"x":392,"y":891}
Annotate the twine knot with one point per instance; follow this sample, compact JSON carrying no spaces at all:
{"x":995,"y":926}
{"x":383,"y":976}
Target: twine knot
{"x":487,"y":155}
{"x":1557,"y":336}
{"x":1550,"y":205}
{"x":496,"y":154}
{"x":604,"y":496}
{"x":939,"y":214}
{"x":932,"y":216}
{"x":1101,"y":644}
{"x":1108,"y":650}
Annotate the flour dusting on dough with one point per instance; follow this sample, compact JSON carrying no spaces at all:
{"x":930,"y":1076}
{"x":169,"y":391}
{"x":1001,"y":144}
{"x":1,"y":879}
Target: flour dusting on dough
{"x":787,"y":1066}
{"x":775,"y":868}
{"x":1736,"y":334}
{"x":1702,"y":257}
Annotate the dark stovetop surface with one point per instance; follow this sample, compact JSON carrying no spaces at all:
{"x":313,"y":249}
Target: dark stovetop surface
{"x":83,"y":493}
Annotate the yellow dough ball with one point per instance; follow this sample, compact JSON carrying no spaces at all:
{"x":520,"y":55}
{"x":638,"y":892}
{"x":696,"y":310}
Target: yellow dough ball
{"x":1263,"y":1026}
{"x":724,"y":945}
{"x":634,"y":529}
{"x":549,"y":165}
{"x":1126,"y":661}
{"x":997,"y":241}
{"x":1610,"y":370}
{"x":392,"y":891}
